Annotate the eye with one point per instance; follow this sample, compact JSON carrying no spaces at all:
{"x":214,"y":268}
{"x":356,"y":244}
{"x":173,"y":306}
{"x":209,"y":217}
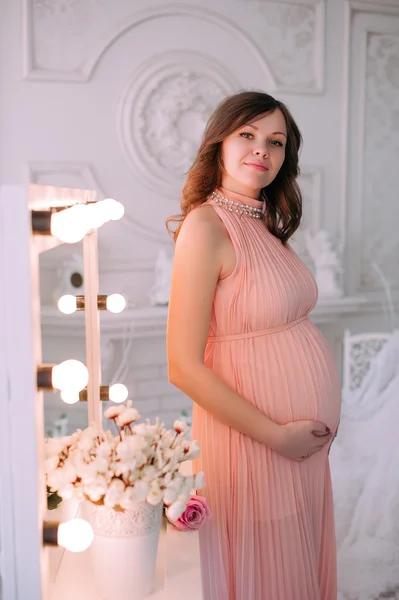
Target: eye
{"x":277,"y":143}
{"x":246,"y":134}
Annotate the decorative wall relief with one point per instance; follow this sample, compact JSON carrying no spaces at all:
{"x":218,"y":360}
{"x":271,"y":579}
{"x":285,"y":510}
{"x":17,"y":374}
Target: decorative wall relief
{"x":65,"y":39}
{"x":160,"y":291}
{"x":293,"y":33}
{"x":310,"y":182}
{"x":380,"y":216}
{"x":61,"y":32}
{"x":163,"y":113}
{"x":326,"y":263}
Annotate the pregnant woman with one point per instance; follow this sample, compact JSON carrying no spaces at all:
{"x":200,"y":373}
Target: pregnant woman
{"x":263,"y":380}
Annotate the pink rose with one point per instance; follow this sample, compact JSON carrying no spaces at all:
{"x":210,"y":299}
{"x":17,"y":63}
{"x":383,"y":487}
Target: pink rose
{"x":196,"y":513}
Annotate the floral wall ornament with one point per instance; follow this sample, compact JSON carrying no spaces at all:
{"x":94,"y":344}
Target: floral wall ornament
{"x":325,"y":261}
{"x":163,"y":112}
{"x":294,"y":33}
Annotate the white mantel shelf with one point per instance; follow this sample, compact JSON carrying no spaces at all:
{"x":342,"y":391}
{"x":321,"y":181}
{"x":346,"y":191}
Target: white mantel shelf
{"x":150,"y":321}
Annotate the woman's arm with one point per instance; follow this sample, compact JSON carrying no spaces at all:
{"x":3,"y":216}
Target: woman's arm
{"x":200,"y":256}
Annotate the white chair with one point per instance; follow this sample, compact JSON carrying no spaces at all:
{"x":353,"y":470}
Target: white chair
{"x":358,"y":353}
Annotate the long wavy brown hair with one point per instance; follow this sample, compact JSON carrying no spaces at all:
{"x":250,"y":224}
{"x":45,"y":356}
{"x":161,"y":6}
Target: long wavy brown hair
{"x":283,"y":196}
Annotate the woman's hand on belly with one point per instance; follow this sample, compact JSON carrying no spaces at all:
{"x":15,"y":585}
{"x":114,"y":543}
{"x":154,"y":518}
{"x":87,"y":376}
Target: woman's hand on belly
{"x":299,"y":440}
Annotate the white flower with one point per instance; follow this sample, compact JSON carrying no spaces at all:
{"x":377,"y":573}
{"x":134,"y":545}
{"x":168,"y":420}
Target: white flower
{"x":176,"y":456}
{"x":67,"y":491}
{"x":141,"y":459}
{"x":128,"y":500}
{"x":199,"y":480}
{"x":184,"y":496}
{"x":70,"y":440}
{"x":124,"y":468}
{"x":177,"y":482}
{"x":154,"y":495}
{"x":54,"y":446}
{"x":61,"y":477}
{"x":130,"y":454}
{"x":97,"y":489}
{"x":69,"y":472}
{"x":88,"y":464}
{"x":137,"y":442}
{"x":55,"y":480}
{"x":114,"y":494}
{"x":114,"y":411}
{"x":169,"y":495}
{"x":167,"y":477}
{"x":175,"y":510}
{"x":191,"y":450}
{"x":149,"y":473}
{"x":134,"y":495}
{"x":51,"y":463}
{"x":180,"y":426}
{"x":130,"y":415}
{"x":187,"y":485}
{"x":87,"y":472}
{"x":145,"y":429}
{"x":104,"y":450}
{"x":125,"y":450}
{"x":91,"y":432}
{"x":132,"y":476}
{"x":85,"y":443}
{"x":100,"y":464}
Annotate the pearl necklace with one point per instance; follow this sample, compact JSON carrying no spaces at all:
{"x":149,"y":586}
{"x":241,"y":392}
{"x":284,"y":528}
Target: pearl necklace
{"x":237,"y":207}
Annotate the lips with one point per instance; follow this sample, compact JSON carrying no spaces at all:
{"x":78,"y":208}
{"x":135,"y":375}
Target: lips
{"x":257,"y":166}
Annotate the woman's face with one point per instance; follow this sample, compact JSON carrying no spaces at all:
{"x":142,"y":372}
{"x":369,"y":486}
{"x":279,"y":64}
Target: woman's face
{"x":252,"y":156}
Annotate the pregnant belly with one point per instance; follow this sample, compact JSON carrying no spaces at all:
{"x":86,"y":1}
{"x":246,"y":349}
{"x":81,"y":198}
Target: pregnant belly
{"x":288,"y":376}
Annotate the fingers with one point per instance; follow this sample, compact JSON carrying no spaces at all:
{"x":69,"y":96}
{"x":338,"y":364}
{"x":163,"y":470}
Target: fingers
{"x":321,"y":434}
{"x":314,"y":451}
{"x":323,"y":439}
{"x":320,"y":429}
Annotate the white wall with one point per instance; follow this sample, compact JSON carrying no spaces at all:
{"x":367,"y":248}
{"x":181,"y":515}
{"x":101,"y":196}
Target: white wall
{"x":113,"y":95}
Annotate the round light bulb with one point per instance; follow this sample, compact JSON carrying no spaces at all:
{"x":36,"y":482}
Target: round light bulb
{"x":116,"y":303}
{"x":118,"y":393}
{"x":115,"y":209}
{"x":96,"y":215}
{"x":67,"y":304}
{"x":70,"y":376}
{"x":69,"y":396}
{"x":70,"y":225}
{"x":75,"y":535}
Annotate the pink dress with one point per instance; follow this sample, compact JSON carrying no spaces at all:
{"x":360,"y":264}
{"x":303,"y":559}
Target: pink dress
{"x":272,"y":534}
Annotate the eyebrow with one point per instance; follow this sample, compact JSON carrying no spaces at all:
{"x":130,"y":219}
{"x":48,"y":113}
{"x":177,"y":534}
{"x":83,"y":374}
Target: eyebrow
{"x":274,"y":132}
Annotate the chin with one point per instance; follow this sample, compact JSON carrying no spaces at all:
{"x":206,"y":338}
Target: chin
{"x":255,"y":183}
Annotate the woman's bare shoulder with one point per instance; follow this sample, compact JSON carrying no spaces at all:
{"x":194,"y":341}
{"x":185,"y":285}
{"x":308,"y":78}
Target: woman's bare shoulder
{"x":204,"y":221}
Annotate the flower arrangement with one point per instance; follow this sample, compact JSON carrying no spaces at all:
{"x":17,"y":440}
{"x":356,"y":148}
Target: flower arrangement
{"x":140,"y":463}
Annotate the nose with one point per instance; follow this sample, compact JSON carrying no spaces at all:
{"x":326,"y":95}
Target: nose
{"x":262,"y":152}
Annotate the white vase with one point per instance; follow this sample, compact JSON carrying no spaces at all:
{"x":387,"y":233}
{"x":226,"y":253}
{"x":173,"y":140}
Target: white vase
{"x":124,"y":550}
